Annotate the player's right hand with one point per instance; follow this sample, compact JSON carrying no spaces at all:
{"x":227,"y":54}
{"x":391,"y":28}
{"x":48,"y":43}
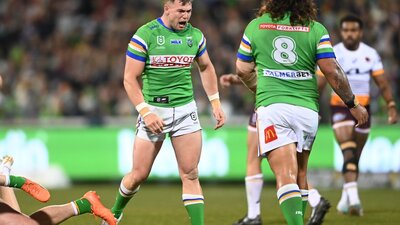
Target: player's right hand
{"x":360,"y":114}
{"x":154,"y":123}
{"x":227,"y":80}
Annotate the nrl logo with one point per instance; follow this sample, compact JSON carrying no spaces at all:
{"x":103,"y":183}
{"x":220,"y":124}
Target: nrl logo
{"x":160,"y":40}
{"x":189,"y":42}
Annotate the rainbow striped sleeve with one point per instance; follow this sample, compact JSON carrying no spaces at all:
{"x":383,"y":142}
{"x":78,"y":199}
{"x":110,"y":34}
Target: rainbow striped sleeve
{"x":137,"y":47}
{"x":324,"y":48}
{"x":245,"y":52}
{"x":202,"y":46}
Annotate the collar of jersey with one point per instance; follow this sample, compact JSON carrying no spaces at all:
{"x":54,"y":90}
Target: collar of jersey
{"x":172,"y":30}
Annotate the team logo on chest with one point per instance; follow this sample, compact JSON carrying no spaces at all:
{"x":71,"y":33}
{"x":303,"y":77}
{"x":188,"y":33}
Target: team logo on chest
{"x":189,"y":41}
{"x":160,"y":40}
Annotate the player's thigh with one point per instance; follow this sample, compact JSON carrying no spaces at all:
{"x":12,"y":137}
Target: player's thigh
{"x":344,"y":134}
{"x":343,"y":124}
{"x":144,"y":154}
{"x":187,"y":149}
{"x":10,"y":216}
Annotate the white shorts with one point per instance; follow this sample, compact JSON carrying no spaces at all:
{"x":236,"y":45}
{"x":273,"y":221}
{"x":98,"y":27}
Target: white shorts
{"x":178,"y":121}
{"x":280,"y":124}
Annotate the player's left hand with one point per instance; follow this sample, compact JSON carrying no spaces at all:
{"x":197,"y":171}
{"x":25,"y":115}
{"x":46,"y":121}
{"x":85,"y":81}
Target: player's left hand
{"x":392,"y":115}
{"x":220,"y":117}
{"x":218,"y":113}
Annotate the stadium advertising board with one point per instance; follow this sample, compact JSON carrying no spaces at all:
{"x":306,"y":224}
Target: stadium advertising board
{"x":106,"y":153}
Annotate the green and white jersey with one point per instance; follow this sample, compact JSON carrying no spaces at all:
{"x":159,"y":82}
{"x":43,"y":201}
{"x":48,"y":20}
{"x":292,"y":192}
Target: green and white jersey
{"x":285,"y":58}
{"x":169,"y":56}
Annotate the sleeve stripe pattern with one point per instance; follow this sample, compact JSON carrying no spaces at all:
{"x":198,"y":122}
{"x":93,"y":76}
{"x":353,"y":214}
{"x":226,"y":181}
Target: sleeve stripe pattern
{"x":137,"y":48}
{"x":325,"y":44}
{"x":132,"y":55}
{"x":324,"y":48}
{"x":378,"y":72}
{"x":245,"y":45}
{"x":244,"y":57}
{"x":202,"y":46}
{"x":201,"y":42}
{"x":325,"y":55}
{"x":139,"y":41}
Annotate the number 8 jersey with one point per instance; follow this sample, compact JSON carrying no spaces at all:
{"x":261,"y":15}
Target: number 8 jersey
{"x":285,"y":58}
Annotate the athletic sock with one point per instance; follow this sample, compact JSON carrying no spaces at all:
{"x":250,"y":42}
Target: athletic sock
{"x":290,"y":202}
{"x":122,"y":199}
{"x":14,"y":181}
{"x":5,"y":169}
{"x":304,"y":199}
{"x":344,"y":198}
{"x":194,"y":205}
{"x":81,"y":206}
{"x":254,"y":185}
{"x":314,"y":197}
{"x":352,"y":192}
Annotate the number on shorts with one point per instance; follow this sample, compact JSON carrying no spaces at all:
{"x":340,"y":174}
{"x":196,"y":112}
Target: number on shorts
{"x":284,"y":50}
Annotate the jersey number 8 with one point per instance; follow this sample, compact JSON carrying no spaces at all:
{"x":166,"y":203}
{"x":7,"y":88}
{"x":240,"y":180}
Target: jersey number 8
{"x":284,"y":50}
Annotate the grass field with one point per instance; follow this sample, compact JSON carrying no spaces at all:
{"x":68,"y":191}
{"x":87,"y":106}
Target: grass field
{"x":160,"y":204}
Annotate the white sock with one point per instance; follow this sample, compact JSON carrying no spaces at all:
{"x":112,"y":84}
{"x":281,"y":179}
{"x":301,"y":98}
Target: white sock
{"x":254,"y":185}
{"x":125,"y":192}
{"x":352,"y":192}
{"x":75,"y":208}
{"x":5,"y":168}
{"x":344,"y":198}
{"x":313,"y":197}
{"x":190,"y":199}
{"x":7,"y":180}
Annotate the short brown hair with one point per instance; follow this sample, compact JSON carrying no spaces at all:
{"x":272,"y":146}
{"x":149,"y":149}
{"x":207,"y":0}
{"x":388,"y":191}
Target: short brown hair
{"x":183,"y":1}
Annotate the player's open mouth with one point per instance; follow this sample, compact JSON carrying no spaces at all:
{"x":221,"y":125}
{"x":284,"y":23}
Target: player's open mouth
{"x":182,"y":24}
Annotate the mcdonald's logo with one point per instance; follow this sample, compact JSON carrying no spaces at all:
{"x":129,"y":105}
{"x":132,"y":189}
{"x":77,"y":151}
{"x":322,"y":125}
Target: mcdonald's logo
{"x":270,"y":134}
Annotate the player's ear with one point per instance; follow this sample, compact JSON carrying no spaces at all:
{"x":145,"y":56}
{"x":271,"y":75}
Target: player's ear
{"x":166,"y":8}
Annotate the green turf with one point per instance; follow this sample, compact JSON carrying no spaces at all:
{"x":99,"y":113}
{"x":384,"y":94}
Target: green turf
{"x":160,"y":204}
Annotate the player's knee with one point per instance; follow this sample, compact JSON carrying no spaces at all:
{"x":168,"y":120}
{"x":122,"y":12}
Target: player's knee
{"x":350,"y":165}
{"x":192,"y":174}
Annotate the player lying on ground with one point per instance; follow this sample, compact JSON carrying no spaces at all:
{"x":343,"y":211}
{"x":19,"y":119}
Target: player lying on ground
{"x":55,"y":214}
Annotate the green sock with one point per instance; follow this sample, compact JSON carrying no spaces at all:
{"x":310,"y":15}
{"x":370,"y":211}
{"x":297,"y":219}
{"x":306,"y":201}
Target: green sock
{"x":290,"y":203}
{"x":304,"y":199}
{"x":304,"y":207}
{"x":16,"y":181}
{"x":122,"y":199}
{"x":194,"y":205}
{"x":83,"y":205}
{"x":119,"y":204}
{"x":292,"y":211}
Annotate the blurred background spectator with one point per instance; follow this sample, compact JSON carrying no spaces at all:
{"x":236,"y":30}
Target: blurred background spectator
{"x":66,"y":58}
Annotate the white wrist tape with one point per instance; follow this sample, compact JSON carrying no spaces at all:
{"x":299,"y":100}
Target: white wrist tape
{"x":141,"y":106}
{"x":146,"y":114}
{"x":213,"y":97}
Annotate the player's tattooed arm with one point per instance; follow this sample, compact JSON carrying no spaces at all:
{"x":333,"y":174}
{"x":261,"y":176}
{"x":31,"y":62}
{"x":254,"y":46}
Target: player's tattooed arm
{"x":246,"y":72}
{"x":336,"y":78}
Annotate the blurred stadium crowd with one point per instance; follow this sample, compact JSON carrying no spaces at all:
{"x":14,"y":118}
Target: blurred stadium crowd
{"x":66,"y":58}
